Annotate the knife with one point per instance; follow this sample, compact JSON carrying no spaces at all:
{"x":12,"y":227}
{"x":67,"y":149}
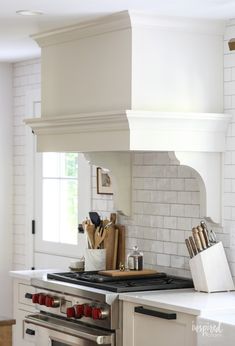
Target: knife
{"x":205,"y":233}
{"x":193,"y":246}
{"x":202,"y":237}
{"x":190,"y":250}
{"x":197,"y":239}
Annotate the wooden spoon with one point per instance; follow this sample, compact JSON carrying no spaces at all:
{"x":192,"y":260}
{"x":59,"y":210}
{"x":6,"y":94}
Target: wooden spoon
{"x":100,"y":234}
{"x":90,"y":230}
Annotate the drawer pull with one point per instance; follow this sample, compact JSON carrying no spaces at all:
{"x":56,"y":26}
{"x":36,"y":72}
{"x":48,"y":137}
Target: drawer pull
{"x":30,"y":331}
{"x":155,"y":313}
{"x":28,"y":295}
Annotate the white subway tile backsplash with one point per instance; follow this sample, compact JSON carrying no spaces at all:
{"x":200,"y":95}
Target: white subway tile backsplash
{"x":156,"y":246}
{"x":170,"y":222}
{"x":177,"y":262}
{"x":192,"y":211}
{"x":163,"y":234}
{"x":163,"y":184}
{"x":228,"y":74}
{"x":184,"y":172}
{"x":182,"y":250}
{"x":177,"y":184}
{"x":177,"y":210}
{"x":184,"y":223}
{"x":184,"y":197}
{"x":177,"y":236}
{"x":163,"y":260}
{"x":170,"y":248}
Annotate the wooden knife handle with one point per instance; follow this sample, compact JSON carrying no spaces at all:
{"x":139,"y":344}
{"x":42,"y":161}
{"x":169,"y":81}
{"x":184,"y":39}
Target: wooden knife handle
{"x":205,"y":233}
{"x":195,"y":251}
{"x":190,"y":251}
{"x":197,"y":239}
{"x":202,"y":238}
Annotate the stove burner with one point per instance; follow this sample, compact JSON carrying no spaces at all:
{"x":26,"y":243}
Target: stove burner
{"x":159,"y":281}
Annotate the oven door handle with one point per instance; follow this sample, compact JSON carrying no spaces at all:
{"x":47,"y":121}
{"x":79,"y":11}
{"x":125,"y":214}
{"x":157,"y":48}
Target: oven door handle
{"x":74,"y":329}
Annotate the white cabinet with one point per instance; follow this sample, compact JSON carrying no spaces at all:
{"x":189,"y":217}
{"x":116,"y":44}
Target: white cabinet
{"x":149,"y":326}
{"x":22,"y":306}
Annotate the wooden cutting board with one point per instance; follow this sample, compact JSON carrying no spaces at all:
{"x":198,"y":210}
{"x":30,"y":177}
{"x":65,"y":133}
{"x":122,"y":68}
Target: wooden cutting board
{"x":121,"y":252}
{"x":109,"y":244}
{"x":130,"y":273}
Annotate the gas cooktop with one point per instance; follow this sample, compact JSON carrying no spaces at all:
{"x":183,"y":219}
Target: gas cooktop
{"x":158,"y":281}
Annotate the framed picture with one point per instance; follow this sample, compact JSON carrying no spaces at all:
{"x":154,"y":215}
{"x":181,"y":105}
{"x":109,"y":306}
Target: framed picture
{"x":104,"y":183}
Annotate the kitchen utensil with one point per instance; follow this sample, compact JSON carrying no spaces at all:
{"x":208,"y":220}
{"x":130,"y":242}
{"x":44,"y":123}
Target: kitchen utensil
{"x":188,"y":244}
{"x":90,"y":231}
{"x":109,"y":242}
{"x":95,"y":218}
{"x":212,"y":237}
{"x":193,"y":245}
{"x":205,"y":233}
{"x":201,"y":236}
{"x":100,"y":234}
{"x":113,"y":217}
{"x":121,"y":252}
{"x":197,"y":239}
{"x":115,"y":249}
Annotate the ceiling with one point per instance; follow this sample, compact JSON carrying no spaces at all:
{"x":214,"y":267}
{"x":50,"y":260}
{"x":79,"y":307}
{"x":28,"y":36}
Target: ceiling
{"x":15,"y":30}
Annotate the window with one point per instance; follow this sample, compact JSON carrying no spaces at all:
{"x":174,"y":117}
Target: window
{"x":60,"y":197}
{"x":62,"y":202}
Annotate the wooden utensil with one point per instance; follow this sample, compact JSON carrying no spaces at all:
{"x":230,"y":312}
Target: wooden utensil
{"x":197,"y":239}
{"x":202,"y":238}
{"x":121,"y":252}
{"x":115,"y":249}
{"x":100,"y":234}
{"x":195,"y":252}
{"x":109,"y":241}
{"x":90,"y":230}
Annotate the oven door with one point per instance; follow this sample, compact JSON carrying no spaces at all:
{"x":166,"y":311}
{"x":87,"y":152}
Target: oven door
{"x":45,"y":330}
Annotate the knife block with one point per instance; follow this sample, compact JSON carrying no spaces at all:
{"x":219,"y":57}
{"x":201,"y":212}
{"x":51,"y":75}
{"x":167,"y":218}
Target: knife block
{"x":210,"y":270}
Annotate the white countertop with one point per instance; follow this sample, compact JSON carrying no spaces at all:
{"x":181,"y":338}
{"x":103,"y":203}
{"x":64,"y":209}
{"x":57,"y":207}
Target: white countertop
{"x":29,"y":274}
{"x":185,"y":300}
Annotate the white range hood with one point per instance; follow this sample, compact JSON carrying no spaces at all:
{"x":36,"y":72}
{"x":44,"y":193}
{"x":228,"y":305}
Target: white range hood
{"x":133,"y":82}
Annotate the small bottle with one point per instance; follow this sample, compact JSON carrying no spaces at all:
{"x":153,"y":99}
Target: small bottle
{"x":135,"y":259}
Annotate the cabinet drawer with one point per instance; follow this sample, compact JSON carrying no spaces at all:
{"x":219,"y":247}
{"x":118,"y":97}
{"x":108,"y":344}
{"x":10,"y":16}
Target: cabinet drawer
{"x":25,"y":291}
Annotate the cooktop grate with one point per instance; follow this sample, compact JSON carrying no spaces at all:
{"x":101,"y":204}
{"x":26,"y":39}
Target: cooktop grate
{"x":159,"y":281}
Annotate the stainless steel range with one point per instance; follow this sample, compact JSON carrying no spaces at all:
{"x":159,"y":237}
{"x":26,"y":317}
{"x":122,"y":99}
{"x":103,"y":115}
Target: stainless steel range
{"x":83,"y":309}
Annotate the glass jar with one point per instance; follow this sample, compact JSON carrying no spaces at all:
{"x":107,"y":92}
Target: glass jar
{"x":135,"y":259}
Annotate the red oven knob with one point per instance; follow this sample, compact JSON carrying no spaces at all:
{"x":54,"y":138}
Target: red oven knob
{"x":70,"y":312}
{"x":79,"y":310}
{"x":35,"y":298}
{"x":96,"y":313}
{"x":52,"y":302}
{"x":87,"y":310}
{"x":42,"y":299}
{"x":99,"y":314}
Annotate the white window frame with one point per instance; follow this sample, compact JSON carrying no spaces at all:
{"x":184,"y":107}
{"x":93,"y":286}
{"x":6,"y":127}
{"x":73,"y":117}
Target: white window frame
{"x":34,"y":243}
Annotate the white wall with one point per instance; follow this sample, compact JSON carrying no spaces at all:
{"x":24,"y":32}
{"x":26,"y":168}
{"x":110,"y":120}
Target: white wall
{"x":5,"y":187}
{"x":229,"y":168}
{"x":26,"y":77}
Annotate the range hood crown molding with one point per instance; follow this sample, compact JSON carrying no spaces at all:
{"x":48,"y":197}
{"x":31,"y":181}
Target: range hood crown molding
{"x":136,"y":130}
{"x":123,"y":20}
